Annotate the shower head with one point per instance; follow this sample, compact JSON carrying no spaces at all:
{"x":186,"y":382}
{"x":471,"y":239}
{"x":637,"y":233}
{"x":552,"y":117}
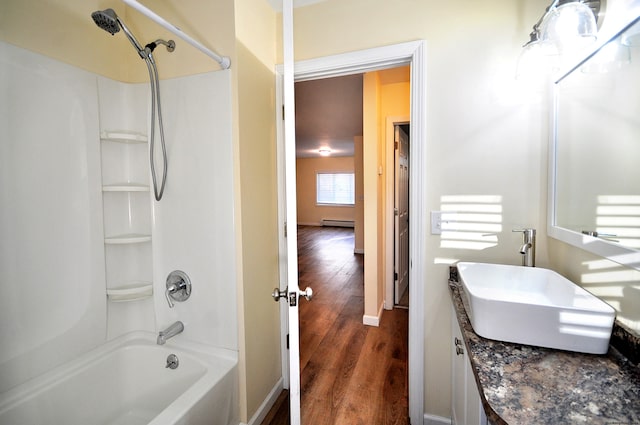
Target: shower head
{"x":107,"y":20}
{"x":111,"y":23}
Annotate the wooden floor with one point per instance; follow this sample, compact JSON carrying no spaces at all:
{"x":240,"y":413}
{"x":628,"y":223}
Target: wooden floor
{"x":350,"y":373}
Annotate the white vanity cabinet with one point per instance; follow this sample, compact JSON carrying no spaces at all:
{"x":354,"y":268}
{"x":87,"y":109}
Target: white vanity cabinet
{"x":466,"y":406}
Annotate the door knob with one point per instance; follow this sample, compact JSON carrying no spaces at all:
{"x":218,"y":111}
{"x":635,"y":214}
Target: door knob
{"x":307,"y":293}
{"x":277,"y":294}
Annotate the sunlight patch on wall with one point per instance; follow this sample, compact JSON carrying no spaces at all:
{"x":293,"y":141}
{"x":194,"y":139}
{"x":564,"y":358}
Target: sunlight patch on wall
{"x":618,"y":219}
{"x":445,"y":261}
{"x":618,"y":286}
{"x":470,"y":221}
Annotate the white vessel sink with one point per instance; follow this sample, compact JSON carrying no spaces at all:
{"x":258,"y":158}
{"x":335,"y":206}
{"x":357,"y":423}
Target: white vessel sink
{"x":534,"y":306}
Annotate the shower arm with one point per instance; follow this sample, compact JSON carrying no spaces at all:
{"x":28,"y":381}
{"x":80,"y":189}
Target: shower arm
{"x":224,"y":61}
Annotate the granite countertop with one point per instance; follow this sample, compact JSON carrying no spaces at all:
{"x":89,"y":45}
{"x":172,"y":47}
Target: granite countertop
{"x":521,"y":384}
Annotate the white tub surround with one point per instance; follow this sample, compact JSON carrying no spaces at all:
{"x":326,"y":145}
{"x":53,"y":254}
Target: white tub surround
{"x":51,"y":235}
{"x":85,"y":250}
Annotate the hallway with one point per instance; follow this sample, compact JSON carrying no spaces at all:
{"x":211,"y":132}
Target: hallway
{"x":351,"y":373}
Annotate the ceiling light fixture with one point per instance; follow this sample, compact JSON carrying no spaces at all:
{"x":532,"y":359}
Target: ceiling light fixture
{"x":324,"y":151}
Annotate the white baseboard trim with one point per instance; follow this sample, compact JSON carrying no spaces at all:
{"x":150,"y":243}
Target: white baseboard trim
{"x":267,"y":404}
{"x":358,"y":251}
{"x":314,"y":224}
{"x":373,"y":320}
{"x":436,"y":420}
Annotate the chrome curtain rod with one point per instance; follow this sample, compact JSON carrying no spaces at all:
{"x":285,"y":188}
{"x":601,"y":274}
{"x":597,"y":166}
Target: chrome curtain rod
{"x":224,"y":61}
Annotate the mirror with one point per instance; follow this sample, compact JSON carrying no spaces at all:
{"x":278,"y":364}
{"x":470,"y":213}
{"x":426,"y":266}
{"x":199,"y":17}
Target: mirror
{"x":595,"y":154}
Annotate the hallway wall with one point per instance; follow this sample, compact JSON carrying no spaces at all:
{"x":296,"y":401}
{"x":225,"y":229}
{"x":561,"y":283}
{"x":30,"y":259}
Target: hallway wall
{"x":309,"y":212}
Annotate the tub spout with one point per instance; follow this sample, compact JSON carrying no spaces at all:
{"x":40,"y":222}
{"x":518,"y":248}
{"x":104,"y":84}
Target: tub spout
{"x":170,"y":332}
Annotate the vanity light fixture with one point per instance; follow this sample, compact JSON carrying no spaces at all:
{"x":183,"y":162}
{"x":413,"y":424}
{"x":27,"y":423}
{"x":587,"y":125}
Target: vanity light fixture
{"x":538,"y":57}
{"x":565,"y":26}
{"x":570,"y":25}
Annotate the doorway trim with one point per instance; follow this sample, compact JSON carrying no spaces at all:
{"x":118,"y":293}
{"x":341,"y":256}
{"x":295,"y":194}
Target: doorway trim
{"x":410,"y":53}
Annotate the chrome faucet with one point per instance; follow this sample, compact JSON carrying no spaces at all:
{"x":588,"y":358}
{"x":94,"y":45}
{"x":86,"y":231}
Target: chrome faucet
{"x":170,"y":332}
{"x":528,"y":248}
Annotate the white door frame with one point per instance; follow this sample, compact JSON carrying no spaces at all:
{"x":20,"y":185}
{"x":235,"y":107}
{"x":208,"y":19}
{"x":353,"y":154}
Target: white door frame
{"x":414,"y":54}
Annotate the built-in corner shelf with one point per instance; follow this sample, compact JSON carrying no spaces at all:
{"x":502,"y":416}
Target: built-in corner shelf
{"x":128,"y":137}
{"x":129,"y":238}
{"x":134,"y":291}
{"x":127,"y":217}
{"x":125,"y":187}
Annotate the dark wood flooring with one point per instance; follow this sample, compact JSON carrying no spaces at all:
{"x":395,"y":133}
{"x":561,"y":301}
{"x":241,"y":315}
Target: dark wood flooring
{"x":350,"y":373}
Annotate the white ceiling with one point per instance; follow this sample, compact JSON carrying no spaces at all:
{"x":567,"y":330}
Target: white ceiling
{"x":328,"y":115}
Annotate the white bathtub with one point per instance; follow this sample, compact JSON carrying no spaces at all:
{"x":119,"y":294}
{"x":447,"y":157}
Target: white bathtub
{"x":125,"y":382}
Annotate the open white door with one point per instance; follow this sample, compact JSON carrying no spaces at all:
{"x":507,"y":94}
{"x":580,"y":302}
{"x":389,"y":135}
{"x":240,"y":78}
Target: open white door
{"x":291,"y":293}
{"x":401,"y":212}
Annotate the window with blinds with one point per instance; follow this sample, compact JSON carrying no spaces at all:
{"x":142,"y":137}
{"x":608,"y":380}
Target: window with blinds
{"x":335,"y":189}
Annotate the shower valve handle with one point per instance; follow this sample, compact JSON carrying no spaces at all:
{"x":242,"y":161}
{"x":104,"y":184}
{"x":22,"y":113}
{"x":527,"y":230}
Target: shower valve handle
{"x":178,"y":287}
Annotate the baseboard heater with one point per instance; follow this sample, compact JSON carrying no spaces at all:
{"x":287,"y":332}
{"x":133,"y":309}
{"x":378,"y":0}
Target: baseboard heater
{"x":336,"y":223}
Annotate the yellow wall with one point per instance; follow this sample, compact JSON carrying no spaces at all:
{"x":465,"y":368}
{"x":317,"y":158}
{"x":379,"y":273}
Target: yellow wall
{"x":64,"y":30}
{"x":309,"y":212}
{"x":484,"y":136}
{"x":256,"y":206}
{"x":211,"y":23}
{"x":359,"y":211}
{"x":382,"y":99}
{"x":371,"y":181}
{"x":395,"y":102}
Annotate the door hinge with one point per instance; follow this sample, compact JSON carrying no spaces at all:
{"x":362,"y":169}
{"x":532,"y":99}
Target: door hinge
{"x":282,"y":112}
{"x":396,"y":145}
{"x":285,"y":229}
{"x":287,"y":341}
{"x":395,"y":276}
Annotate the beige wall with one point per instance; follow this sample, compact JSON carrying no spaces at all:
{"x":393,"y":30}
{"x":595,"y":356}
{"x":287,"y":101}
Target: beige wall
{"x":309,"y":212}
{"x":484,"y":136}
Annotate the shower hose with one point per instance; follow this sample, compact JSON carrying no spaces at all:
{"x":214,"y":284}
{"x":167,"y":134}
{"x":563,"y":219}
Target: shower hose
{"x":155,"y":103}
